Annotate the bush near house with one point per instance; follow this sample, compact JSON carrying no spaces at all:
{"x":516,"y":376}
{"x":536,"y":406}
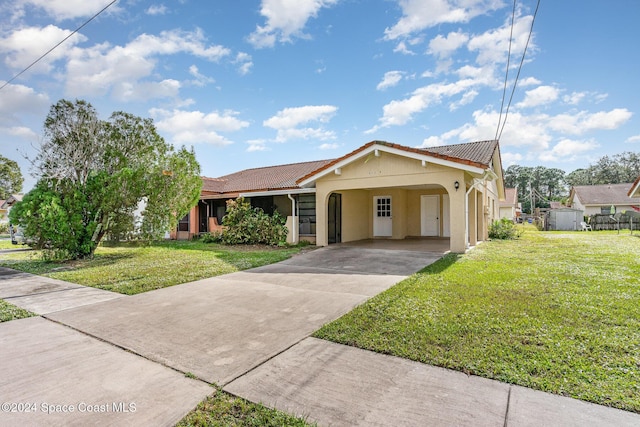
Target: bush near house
{"x":247,"y":225}
{"x":504,"y":229}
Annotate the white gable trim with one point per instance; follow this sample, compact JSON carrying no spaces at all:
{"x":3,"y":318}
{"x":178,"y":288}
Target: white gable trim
{"x":377,"y":148}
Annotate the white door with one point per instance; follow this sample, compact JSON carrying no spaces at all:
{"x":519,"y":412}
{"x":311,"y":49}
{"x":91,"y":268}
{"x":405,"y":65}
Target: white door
{"x":382,"y":219}
{"x":430,"y":215}
{"x":446,"y":225}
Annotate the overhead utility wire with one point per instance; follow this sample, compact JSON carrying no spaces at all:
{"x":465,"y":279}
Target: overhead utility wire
{"x":506,"y":76}
{"x":515,"y":83}
{"x":53,"y":48}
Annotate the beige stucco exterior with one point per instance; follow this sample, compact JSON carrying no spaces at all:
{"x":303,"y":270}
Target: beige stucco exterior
{"x":405,"y":180}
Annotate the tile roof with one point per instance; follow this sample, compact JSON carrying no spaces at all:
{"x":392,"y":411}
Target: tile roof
{"x":480,"y":152}
{"x":261,"y":179}
{"x":282,"y":177}
{"x":607,"y":194}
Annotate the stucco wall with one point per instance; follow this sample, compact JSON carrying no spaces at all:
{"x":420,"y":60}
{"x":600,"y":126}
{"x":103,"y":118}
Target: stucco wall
{"x":355,"y":215}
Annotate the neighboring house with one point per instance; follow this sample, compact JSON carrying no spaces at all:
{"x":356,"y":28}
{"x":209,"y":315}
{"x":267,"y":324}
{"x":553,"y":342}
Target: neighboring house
{"x":634,"y":191}
{"x":5,"y":206}
{"x":380,"y":190}
{"x":4,"y":212}
{"x":598,"y":199}
{"x":509,"y":207}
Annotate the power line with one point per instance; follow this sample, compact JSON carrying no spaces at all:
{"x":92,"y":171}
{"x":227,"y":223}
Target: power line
{"x":506,"y":76}
{"x":53,"y":48}
{"x":515,"y":83}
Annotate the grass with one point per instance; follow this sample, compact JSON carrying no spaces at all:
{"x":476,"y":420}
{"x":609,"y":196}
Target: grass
{"x":11,"y":312}
{"x":558,"y":312}
{"x":134,"y":269}
{"x":6,"y":244}
{"x":223,"y":409}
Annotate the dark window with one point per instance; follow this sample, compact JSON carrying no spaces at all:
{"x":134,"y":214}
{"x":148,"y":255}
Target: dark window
{"x":265,"y":203}
{"x":183,"y":224}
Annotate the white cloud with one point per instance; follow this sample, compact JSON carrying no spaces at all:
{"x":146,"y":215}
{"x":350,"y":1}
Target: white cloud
{"x":157,"y":9}
{"x":432,"y":141}
{"x":21,"y":99}
{"x":402,"y":48}
{"x":144,"y":91}
{"x":194,"y":127}
{"x":25,"y":45}
{"x":528,"y":81}
{"x":583,"y":121}
{"x":493,"y":45}
{"x":285,"y":19}
{"x":539,"y":96}
{"x":390,"y":79}
{"x":287,"y":122}
{"x":467,"y":98}
{"x":633,"y":139}
{"x":445,"y":46}
{"x":245,"y":63}
{"x":256,"y":145}
{"x":574,"y":98}
{"x":568,"y":150}
{"x":200,"y":79}
{"x":327,"y":146}
{"x":401,"y":112}
{"x":67,"y":9}
{"x":418,"y":15}
{"x":509,"y":159}
{"x":104,"y":68}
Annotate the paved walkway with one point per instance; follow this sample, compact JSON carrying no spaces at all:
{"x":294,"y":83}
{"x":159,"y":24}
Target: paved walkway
{"x":248,"y":332}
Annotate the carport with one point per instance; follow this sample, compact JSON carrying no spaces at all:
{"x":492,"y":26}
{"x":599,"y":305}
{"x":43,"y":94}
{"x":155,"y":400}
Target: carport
{"x":386,"y":191}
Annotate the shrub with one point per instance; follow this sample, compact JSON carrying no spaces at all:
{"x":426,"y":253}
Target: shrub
{"x":213,"y":237}
{"x":504,"y":229}
{"x":247,"y":225}
{"x":4,"y":228}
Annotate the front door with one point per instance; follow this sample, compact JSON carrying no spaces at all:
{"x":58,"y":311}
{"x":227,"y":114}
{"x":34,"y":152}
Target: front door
{"x":430,"y":215}
{"x":382,"y":219}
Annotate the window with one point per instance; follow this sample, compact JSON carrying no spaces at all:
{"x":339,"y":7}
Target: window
{"x":383,"y":208}
{"x":307,"y":214}
{"x":183,"y":224}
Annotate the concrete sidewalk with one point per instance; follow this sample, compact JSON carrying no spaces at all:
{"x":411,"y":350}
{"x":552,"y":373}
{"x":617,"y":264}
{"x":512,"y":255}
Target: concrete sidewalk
{"x":339,"y":385}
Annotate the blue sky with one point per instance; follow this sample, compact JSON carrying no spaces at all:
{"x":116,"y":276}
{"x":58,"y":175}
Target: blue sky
{"x":281,"y":81}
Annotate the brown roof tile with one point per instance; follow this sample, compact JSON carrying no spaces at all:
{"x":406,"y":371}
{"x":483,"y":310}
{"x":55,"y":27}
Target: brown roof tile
{"x":261,"y":179}
{"x":510,"y":197}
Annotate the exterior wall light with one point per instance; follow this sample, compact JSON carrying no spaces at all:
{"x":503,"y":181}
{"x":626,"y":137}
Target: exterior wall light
{"x":456,"y":185}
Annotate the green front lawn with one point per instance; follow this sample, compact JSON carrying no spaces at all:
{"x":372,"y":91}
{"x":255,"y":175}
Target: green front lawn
{"x":135,"y":269}
{"x":558,"y":312}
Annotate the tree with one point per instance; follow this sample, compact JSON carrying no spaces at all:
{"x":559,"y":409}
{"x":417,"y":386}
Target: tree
{"x":538,"y":185}
{"x":618,"y":169}
{"x":93,"y":174}
{"x":10,"y":178}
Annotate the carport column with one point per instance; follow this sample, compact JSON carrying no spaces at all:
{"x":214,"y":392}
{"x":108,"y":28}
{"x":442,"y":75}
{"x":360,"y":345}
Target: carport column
{"x":322,"y":196}
{"x":457,"y":218}
{"x":472,"y":216}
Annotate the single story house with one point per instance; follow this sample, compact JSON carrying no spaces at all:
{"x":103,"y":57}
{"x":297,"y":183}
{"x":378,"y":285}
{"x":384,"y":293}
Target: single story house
{"x":378,"y":191}
{"x":598,"y":199}
{"x":510,"y":207}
